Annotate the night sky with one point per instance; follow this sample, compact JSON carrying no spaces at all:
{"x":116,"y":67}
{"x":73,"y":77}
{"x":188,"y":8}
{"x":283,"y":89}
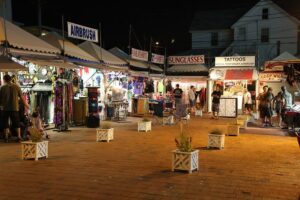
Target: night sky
{"x":149,"y":18}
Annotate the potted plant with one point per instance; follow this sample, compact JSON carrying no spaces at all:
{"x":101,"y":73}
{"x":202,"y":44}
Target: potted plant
{"x":35,"y":148}
{"x":216,"y":139}
{"x":105,"y":133}
{"x":144,"y":125}
{"x":233,"y":129}
{"x":184,"y":157}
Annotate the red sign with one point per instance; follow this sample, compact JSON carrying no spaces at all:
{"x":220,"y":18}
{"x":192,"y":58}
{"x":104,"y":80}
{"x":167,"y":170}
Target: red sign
{"x":275,"y":76}
{"x":239,"y":74}
{"x":159,"y":59}
{"x":186,"y":60}
{"x":139,"y":54}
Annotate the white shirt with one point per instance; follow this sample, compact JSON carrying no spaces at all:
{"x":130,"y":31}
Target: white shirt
{"x":247,"y":98}
{"x":191,"y":95}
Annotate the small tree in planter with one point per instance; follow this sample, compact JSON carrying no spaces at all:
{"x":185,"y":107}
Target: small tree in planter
{"x":105,"y":133}
{"x":35,"y":148}
{"x":144,"y":125}
{"x":184,"y":157}
{"x":216,"y":139}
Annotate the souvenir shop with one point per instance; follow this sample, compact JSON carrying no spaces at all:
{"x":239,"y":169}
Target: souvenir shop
{"x":233,"y":75}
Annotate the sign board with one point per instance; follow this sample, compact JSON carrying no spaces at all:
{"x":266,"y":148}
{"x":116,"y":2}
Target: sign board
{"x":274,"y":66}
{"x":272,"y":77}
{"x":82,"y":32}
{"x":139,"y":54}
{"x":186,"y":60}
{"x":159,"y":59}
{"x":238,"y":61}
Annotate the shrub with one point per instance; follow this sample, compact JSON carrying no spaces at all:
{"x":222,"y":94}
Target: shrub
{"x":106,"y":126}
{"x":184,"y":141}
{"x":35,"y":134}
{"x":216,"y":132}
{"x":146,"y":119}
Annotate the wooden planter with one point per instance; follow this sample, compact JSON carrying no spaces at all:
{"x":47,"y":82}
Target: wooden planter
{"x":144,"y":126}
{"x":198,"y":113}
{"x":233,"y":130}
{"x":216,"y":141}
{"x":34,"y":150}
{"x":186,"y":161}
{"x":104,"y":134}
{"x":168,"y":120}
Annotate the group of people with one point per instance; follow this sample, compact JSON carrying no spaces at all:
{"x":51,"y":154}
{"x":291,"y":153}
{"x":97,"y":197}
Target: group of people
{"x":268,"y":103}
{"x":13,"y":111}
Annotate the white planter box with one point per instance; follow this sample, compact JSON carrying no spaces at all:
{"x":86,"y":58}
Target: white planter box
{"x":34,"y":150}
{"x":243,"y":123}
{"x":216,"y":141}
{"x":105,"y":134}
{"x":144,"y":126}
{"x":168,"y":120}
{"x":187,"y":161}
{"x":233,"y":130}
{"x":198,"y":113}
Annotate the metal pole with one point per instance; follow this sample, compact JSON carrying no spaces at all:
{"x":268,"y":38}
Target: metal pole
{"x":63,"y":34}
{"x":100,"y":40}
{"x":129,"y":45}
{"x":4,"y":26}
{"x":40,"y":17}
{"x":150,"y":57}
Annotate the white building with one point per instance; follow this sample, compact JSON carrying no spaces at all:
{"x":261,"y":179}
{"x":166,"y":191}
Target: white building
{"x":265,"y":30}
{"x":6,"y":9}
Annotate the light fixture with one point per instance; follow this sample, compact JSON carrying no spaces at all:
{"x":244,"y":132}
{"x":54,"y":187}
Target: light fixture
{"x":157,"y":43}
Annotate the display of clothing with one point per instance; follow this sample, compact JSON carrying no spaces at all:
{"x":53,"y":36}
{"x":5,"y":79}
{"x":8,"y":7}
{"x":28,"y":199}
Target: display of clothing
{"x":138,"y":88}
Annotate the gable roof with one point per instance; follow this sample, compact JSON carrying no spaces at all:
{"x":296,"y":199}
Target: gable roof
{"x":216,"y":19}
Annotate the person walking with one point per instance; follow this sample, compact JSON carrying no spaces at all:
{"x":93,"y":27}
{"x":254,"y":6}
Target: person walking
{"x":10,"y":93}
{"x":192,"y":98}
{"x":247,"y":101}
{"x":177,"y":93}
{"x":216,"y":102}
{"x":278,"y":105}
{"x":262,"y":106}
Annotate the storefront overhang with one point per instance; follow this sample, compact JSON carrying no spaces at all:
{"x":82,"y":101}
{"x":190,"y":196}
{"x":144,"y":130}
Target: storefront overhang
{"x":233,"y":73}
{"x":187,"y":68}
{"x":7,"y":65}
{"x":144,"y":65}
{"x":54,"y":63}
{"x":188,"y":78}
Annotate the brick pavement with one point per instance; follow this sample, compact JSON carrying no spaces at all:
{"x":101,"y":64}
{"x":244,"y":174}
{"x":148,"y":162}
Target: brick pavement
{"x":137,"y":166}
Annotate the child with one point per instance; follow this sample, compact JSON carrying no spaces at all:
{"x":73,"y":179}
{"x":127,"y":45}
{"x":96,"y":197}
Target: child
{"x":37,"y":123}
{"x":278,"y":104}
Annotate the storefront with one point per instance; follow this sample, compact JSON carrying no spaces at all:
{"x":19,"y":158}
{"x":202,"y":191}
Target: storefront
{"x":233,"y":75}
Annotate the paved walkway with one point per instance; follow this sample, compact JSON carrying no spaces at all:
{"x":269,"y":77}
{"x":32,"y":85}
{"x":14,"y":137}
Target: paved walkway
{"x":137,"y":166}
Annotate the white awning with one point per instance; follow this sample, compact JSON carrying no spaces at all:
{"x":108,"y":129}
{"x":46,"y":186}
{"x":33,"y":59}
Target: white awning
{"x":188,"y":68}
{"x":20,"y":38}
{"x":101,"y":54}
{"x":54,"y":63}
{"x":70,"y":49}
{"x":144,"y":65}
{"x":7,"y":65}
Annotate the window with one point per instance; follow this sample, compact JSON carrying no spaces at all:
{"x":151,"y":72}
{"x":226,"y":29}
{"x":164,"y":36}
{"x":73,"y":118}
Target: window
{"x":264,"y":35}
{"x":242,"y":34}
{"x":265,"y":13}
{"x":214,"y":39}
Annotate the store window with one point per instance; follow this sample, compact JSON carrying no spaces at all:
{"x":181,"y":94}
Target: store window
{"x":265,"y":13}
{"x":242,"y":34}
{"x":214,"y":39}
{"x":265,"y":35}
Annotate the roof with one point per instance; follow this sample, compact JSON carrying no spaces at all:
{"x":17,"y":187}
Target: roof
{"x":101,"y":54}
{"x":21,"y":39}
{"x":70,"y":49}
{"x":216,"y":19}
{"x":285,"y":56}
{"x":188,"y":68}
{"x":292,"y":7}
{"x":119,"y":53}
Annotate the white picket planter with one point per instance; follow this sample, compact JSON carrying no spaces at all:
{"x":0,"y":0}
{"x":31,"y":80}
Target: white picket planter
{"x":168,"y":120}
{"x":187,"y":161}
{"x":34,"y":150}
{"x":198,"y":113}
{"x":233,"y":130}
{"x":216,"y":141}
{"x":105,"y":134}
{"x":144,"y":126}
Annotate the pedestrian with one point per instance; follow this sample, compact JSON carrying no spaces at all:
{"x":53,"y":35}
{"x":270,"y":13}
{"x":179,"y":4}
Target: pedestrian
{"x":262,"y":106}
{"x":192,"y":98}
{"x":269,"y":108}
{"x":216,"y":102}
{"x":247,"y":101}
{"x":177,"y":93}
{"x":278,"y":105}
{"x":10,"y":93}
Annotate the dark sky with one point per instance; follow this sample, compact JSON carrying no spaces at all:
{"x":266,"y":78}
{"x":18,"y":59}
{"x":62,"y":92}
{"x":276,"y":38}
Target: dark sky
{"x":157,"y":19}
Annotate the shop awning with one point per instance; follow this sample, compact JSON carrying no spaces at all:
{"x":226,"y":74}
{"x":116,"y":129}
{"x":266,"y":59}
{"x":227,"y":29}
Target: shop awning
{"x":188,"y":68}
{"x":233,"y":73}
{"x":101,"y":54}
{"x":144,"y":65}
{"x":278,"y":63}
{"x":69,"y":48}
{"x":21,"y":39}
{"x":54,"y":63}
{"x":7,"y":65}
{"x":138,"y":73}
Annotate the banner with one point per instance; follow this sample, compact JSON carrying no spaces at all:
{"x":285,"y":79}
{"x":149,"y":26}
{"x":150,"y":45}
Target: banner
{"x":159,"y":59}
{"x":274,"y":66}
{"x":82,"y":32}
{"x":186,"y":60}
{"x":273,"y":77}
{"x":139,"y":54}
{"x":238,"y":61}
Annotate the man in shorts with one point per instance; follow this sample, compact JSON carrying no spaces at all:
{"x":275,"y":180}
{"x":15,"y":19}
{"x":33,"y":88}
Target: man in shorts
{"x":216,"y":102}
{"x":10,"y":93}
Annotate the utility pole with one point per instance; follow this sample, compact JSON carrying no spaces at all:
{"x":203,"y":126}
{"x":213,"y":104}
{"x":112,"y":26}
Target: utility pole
{"x":150,"y":56}
{"x":63,"y":34}
{"x":40,"y":17}
{"x":129,"y":41}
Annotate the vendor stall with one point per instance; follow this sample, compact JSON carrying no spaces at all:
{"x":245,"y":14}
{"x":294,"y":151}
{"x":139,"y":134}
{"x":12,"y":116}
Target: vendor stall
{"x":234,"y":75}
